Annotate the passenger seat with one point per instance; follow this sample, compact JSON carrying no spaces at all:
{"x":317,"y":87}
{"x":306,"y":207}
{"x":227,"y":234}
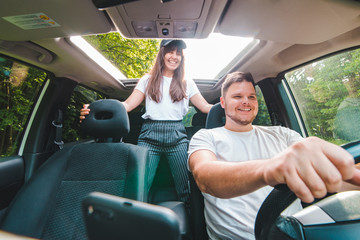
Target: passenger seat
{"x":49,"y":205}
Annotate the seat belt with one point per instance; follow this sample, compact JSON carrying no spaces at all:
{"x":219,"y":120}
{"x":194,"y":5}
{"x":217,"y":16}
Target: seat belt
{"x":57,"y":123}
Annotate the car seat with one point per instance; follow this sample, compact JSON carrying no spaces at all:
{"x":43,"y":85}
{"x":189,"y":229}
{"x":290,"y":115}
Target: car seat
{"x":49,"y":205}
{"x":197,"y":123}
{"x":215,"y":118}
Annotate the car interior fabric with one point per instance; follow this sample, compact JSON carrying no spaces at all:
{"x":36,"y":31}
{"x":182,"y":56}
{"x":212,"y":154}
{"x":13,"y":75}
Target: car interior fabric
{"x":197,"y":122}
{"x":197,"y":218}
{"x":215,"y":118}
{"x":49,"y":205}
{"x":107,"y":119}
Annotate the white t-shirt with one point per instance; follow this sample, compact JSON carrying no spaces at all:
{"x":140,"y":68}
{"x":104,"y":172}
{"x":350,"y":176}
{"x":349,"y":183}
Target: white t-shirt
{"x":234,"y":218}
{"x":166,"y":109}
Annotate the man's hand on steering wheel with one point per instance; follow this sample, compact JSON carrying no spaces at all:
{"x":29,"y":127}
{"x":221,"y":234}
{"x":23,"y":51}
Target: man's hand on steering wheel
{"x":312,"y":168}
{"x":270,"y":225}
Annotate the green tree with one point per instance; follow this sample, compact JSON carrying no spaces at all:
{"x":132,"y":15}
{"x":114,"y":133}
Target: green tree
{"x":263,"y":117}
{"x":134,"y":57}
{"x":321,"y":87}
{"x":20,"y":85}
{"x":71,"y":123}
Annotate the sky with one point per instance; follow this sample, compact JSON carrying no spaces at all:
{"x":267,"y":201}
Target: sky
{"x":205,"y":58}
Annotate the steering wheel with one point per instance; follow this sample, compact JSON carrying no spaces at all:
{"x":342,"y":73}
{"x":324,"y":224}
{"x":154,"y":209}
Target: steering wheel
{"x":335,"y":217}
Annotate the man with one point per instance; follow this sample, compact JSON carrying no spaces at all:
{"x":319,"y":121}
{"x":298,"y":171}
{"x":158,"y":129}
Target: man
{"x":236,"y":165}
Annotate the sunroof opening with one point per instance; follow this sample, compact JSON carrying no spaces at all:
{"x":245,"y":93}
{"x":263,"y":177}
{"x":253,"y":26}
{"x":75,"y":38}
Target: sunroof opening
{"x":204,"y":58}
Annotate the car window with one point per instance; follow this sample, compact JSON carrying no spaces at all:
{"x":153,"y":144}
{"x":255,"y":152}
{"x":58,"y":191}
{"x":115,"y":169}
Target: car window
{"x":71,"y":122}
{"x":187,"y":119}
{"x":263,"y":117}
{"x":20,"y":85}
{"x":327,"y":93}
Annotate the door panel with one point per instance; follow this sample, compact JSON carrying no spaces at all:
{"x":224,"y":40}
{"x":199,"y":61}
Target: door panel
{"x":11,"y":178}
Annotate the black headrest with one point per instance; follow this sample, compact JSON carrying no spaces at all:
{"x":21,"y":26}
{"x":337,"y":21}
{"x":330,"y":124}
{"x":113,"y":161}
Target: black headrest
{"x":215,"y":117}
{"x":107,"y":119}
{"x":199,"y":119}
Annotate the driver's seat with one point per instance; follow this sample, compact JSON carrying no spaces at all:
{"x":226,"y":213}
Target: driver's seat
{"x":215,"y":118}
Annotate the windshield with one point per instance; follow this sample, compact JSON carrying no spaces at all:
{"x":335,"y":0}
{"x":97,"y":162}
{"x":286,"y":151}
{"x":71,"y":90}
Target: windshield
{"x":205,"y":58}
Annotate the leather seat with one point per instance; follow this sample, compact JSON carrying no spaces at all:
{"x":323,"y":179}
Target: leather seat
{"x":49,"y":205}
{"x":215,"y":118}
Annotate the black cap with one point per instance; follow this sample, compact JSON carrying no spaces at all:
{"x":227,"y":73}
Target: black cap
{"x":179,"y":43}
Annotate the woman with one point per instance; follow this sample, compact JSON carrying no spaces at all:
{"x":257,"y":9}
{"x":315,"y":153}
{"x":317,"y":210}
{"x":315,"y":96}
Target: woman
{"x":166,"y":94}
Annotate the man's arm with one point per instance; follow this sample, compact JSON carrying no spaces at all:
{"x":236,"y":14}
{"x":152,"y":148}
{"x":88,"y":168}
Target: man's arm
{"x":310,"y":168}
{"x":225,"y":179}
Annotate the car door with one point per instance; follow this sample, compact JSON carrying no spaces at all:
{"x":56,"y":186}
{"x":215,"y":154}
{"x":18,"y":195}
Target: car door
{"x":32,"y":100}
{"x":20,"y":86}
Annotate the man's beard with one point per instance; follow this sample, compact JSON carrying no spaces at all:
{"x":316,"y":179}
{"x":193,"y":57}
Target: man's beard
{"x":240,"y":121}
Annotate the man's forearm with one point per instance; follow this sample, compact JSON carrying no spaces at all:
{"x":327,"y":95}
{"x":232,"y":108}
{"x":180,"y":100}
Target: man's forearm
{"x":227,"y":179}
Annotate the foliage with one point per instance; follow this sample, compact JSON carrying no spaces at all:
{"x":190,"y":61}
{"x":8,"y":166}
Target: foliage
{"x":19,"y":87}
{"x":134,"y":57}
{"x":327,"y":92}
{"x":263,"y":117}
{"x":321,"y":88}
{"x":187,"y":120}
{"x":71,"y":123}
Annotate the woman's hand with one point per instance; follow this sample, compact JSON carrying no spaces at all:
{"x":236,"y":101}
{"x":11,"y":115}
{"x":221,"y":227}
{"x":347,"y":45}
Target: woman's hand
{"x":84,"y":111}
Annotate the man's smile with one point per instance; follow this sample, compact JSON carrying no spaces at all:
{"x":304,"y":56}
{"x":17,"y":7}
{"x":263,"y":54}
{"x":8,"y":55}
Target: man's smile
{"x":245,"y":109}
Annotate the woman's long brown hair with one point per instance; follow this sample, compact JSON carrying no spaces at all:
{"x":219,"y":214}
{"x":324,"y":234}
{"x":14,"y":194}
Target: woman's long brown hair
{"x":178,"y":83}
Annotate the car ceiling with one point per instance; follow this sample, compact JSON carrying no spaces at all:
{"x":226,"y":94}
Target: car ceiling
{"x":290,"y":32}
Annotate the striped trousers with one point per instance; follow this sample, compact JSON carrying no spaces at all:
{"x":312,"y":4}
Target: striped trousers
{"x":167,"y":138}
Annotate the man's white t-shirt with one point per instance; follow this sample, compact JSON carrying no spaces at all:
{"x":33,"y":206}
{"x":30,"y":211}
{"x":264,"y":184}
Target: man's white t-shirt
{"x":234,"y":218}
{"x":166,"y":109}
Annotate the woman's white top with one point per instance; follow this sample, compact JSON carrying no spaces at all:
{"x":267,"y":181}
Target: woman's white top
{"x":166,"y":109}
